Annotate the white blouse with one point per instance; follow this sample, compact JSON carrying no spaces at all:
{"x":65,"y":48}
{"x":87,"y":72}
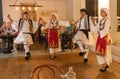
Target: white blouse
{"x":106,"y":28}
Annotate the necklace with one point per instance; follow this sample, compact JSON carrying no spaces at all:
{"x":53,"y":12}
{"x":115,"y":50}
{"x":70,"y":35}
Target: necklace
{"x":102,"y":24}
{"x":54,"y":23}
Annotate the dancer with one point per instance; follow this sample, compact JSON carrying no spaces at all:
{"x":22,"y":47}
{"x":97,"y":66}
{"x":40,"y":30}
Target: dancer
{"x":81,"y":38}
{"x":53,"y":26}
{"x":103,"y":45}
{"x":26,"y":27}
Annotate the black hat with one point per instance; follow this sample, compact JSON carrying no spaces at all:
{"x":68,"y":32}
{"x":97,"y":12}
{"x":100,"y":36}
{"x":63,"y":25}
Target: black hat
{"x":84,"y":10}
{"x":25,"y":13}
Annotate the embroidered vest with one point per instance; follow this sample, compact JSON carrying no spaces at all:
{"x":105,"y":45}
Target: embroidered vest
{"x":20,"y":25}
{"x":86,"y":23}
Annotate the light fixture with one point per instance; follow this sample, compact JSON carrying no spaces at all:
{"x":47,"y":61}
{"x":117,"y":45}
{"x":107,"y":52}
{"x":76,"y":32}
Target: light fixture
{"x":35,"y":8}
{"x":29,"y":8}
{"x":17,"y":8}
{"x":23,"y":8}
{"x":23,"y":5}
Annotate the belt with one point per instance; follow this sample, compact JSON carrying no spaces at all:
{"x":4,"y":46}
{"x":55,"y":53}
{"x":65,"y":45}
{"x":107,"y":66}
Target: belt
{"x":84,"y":30}
{"x":53,"y":29}
{"x":26,"y":33}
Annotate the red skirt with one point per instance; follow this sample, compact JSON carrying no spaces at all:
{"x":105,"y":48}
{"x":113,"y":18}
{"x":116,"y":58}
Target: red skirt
{"x":101,"y":45}
{"x":53,"y":38}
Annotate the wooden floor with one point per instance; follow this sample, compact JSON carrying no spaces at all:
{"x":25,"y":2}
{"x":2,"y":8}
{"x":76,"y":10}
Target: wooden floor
{"x":15,"y":67}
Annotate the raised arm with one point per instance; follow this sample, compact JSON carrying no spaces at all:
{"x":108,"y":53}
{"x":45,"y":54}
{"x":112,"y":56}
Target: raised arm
{"x":9,"y":17}
{"x":3,"y":25}
{"x":14,"y":24}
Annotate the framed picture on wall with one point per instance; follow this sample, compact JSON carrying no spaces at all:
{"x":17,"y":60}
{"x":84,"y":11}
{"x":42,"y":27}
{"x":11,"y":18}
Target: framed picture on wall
{"x":46,"y":13}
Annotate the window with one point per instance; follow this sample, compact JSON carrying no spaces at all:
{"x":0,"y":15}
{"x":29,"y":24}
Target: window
{"x":92,"y":7}
{"x":1,"y":17}
{"x":118,"y":15}
{"x":118,"y":8}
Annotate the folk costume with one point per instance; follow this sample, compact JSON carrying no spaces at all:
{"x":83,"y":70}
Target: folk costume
{"x":85,"y":27}
{"x":25,"y":28}
{"x":103,"y":44}
{"x":53,"y":36}
{"x":53,"y":26}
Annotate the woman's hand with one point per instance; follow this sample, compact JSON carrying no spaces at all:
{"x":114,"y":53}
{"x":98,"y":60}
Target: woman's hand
{"x":93,"y":20}
{"x":109,"y":42}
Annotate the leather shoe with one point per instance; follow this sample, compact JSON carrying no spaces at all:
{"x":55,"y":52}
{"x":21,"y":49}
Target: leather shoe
{"x":102,"y":69}
{"x":28,"y":56}
{"x":85,"y":60}
{"x":106,"y":66}
{"x":82,"y":53}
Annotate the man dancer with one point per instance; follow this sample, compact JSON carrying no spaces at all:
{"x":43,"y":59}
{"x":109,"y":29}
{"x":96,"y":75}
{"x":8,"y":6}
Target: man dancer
{"x":26,"y":27}
{"x":82,"y":36}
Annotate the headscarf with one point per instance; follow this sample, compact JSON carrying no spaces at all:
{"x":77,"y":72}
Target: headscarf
{"x":106,"y":11}
{"x":54,"y":15}
{"x":54,"y":23}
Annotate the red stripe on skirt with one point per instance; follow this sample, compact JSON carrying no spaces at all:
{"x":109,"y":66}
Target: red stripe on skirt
{"x":101,"y":45}
{"x":53,"y":38}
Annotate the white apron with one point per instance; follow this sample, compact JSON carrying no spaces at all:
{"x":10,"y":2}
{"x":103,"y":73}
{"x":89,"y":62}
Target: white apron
{"x":23,"y":39}
{"x":80,"y":36}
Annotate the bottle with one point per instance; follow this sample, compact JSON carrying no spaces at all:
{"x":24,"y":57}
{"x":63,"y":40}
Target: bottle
{"x":87,"y":77}
{"x":70,"y":74}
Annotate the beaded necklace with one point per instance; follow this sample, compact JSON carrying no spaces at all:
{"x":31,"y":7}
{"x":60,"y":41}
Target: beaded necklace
{"x":102,"y":24}
{"x":53,"y":24}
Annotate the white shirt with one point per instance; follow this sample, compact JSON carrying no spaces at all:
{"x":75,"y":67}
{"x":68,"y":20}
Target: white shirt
{"x":106,"y":29}
{"x":26,"y":27}
{"x":82,"y":24}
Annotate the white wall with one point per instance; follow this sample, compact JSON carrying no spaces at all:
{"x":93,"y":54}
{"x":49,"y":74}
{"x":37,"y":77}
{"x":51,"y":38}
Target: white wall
{"x":78,"y":4}
{"x":8,"y":10}
{"x":113,"y":16}
{"x":73,"y":8}
{"x":59,"y":5}
{"x":69,"y":9}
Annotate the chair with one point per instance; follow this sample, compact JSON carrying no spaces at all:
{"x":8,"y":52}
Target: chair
{"x":66,"y":40}
{"x":36,"y":72}
{"x":1,"y":45}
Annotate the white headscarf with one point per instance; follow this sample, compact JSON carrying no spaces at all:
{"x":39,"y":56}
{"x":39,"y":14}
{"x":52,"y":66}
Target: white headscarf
{"x":55,"y":15}
{"x":106,"y":11}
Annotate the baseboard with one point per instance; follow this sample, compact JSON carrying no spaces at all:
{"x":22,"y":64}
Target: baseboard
{"x":116,"y":58}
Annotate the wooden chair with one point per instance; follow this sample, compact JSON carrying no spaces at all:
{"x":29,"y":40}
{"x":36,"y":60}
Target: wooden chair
{"x":66,"y":39}
{"x":1,"y":45}
{"x":36,"y":72}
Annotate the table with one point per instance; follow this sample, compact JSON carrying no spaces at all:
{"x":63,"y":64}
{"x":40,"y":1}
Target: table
{"x":8,"y":37}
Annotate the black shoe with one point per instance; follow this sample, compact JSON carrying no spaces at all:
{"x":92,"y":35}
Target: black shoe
{"x":106,"y":66}
{"x":102,"y":69}
{"x":28,"y":56}
{"x":82,"y":53}
{"x":85,"y":60}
